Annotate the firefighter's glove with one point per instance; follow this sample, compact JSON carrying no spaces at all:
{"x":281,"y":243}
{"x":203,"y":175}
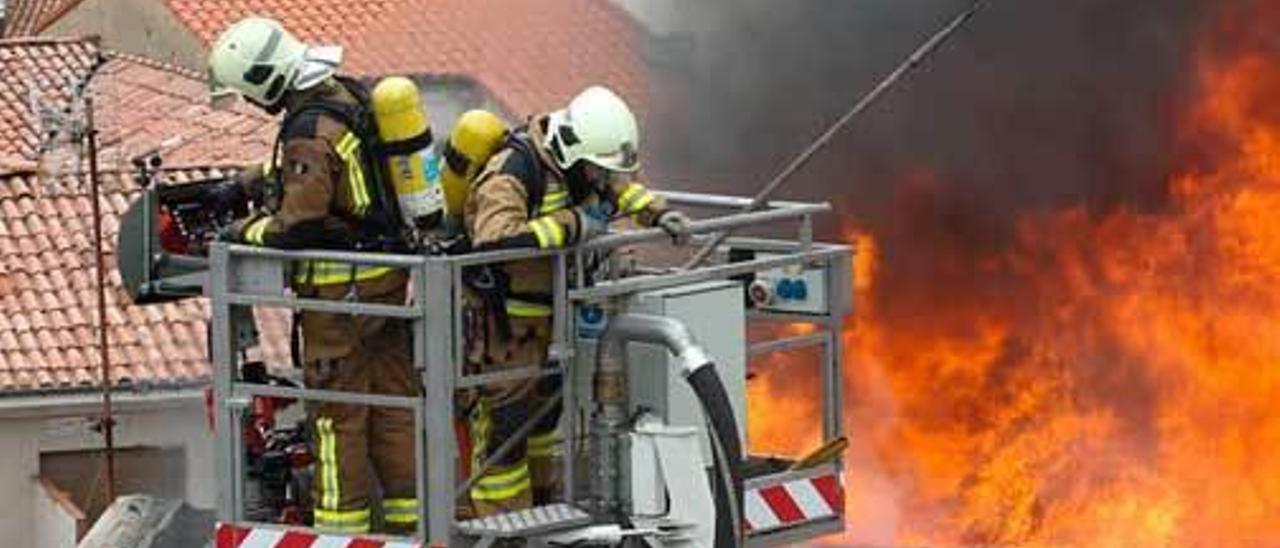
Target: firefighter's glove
{"x":675,"y":224}
{"x":592,"y":222}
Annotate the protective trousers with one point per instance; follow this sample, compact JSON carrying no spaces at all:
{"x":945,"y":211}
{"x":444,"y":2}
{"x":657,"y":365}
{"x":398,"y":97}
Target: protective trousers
{"x":365,"y":354}
{"x":529,"y":474}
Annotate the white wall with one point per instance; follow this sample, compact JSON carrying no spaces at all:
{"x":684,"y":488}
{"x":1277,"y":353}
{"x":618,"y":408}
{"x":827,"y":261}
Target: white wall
{"x":54,"y":527}
{"x":142,"y":27}
{"x":177,"y":425}
{"x":49,"y":424}
{"x":19,"y":463}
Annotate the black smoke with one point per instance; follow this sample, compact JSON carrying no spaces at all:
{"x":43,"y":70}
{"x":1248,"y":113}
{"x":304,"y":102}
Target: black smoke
{"x":1035,"y":105}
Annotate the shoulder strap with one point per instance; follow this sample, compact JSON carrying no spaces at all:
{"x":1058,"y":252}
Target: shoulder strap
{"x":524,"y":165}
{"x":385,"y":219}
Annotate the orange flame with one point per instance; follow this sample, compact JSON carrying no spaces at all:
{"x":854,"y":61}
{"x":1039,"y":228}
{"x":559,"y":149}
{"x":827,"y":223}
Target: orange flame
{"x":1123,"y":390}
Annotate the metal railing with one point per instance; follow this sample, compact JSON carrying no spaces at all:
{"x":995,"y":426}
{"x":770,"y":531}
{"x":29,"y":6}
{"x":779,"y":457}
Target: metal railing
{"x":243,"y":276}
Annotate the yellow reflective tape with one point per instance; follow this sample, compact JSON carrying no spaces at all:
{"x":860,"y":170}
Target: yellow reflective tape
{"x":266,"y":168}
{"x":503,"y":493}
{"x":331,"y":447}
{"x":354,"y":528}
{"x":332,"y":273}
{"x":546,"y":438}
{"x":347,"y":148}
{"x":628,"y":194}
{"x":556,"y":230}
{"x":542,"y":445}
{"x":549,"y":232}
{"x":255,"y":233}
{"x":634,"y":198}
{"x":401,"y":519}
{"x":322,"y":452}
{"x":560,"y":197}
{"x":524,"y":309}
{"x":400,"y":504}
{"x":540,"y":231}
{"x":343,"y":517}
{"x":517,"y":471}
{"x":503,"y":485}
{"x":553,"y":202}
{"x":400,"y":511}
{"x":642,"y":203}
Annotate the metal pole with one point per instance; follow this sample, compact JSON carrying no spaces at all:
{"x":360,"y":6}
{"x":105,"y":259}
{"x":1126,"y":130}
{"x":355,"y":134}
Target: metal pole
{"x":433,"y":350}
{"x":107,"y":422}
{"x":417,"y":334}
{"x":226,"y":427}
{"x":911,"y":62}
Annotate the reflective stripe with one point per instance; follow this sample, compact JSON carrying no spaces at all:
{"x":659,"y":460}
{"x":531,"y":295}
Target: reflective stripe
{"x":342,"y":521}
{"x":266,"y":168}
{"x":343,"y":517}
{"x":553,"y":202}
{"x":494,"y":486}
{"x":332,"y":273}
{"x":349,"y":149}
{"x":543,"y":445}
{"x":634,"y":199}
{"x":401,"y":504}
{"x":525,"y":309}
{"x":539,"y":231}
{"x":549,"y":232}
{"x":400,"y":511}
{"x":328,"y":454}
{"x":255,"y":233}
{"x":504,"y":485}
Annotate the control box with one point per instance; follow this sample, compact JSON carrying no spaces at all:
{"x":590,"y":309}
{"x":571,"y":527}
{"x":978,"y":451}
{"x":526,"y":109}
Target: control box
{"x":793,"y":289}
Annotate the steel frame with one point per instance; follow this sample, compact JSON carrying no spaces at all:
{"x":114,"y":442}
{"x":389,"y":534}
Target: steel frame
{"x":242,"y":276}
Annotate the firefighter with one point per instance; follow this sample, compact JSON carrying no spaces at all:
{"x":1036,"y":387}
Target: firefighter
{"x":554,"y":182}
{"x":329,"y":195}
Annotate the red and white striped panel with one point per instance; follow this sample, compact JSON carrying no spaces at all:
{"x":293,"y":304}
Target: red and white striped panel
{"x":793,"y":502}
{"x":238,"y":536}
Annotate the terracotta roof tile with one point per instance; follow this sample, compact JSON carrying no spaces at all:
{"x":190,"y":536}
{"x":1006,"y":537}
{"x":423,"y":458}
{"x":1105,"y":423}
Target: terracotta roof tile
{"x":140,"y":104}
{"x":530,"y":54}
{"x":47,"y":308}
{"x":28,"y":17}
{"x":332,"y":21}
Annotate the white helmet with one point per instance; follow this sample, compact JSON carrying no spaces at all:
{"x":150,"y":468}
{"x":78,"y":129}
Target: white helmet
{"x":597,"y":127}
{"x":259,"y":60}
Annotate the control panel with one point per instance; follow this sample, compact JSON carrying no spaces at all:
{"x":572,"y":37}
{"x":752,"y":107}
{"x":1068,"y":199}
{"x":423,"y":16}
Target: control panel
{"x":792,"y":289}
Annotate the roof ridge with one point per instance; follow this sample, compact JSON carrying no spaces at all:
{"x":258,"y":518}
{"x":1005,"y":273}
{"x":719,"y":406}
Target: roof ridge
{"x":53,"y":17}
{"x":114,"y":170}
{"x":153,"y":63}
{"x":46,"y":40}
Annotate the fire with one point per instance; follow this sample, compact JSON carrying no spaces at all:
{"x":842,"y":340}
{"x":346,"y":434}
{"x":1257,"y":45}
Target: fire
{"x":1106,"y":379}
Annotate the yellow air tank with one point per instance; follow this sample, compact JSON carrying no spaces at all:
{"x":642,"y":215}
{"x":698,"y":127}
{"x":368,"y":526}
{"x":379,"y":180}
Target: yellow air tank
{"x":406,"y":138}
{"x":475,"y":137}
